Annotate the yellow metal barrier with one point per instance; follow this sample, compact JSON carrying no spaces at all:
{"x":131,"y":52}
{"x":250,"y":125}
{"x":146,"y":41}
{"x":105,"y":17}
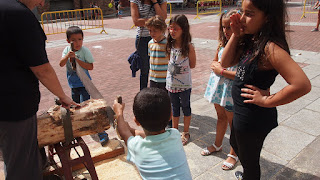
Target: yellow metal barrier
{"x":170,"y":15}
{"x":208,"y":7}
{"x":307,"y":8}
{"x":56,"y":22}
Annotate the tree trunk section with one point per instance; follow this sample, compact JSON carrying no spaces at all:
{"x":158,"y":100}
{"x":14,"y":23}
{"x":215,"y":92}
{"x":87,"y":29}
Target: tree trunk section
{"x":90,"y":118}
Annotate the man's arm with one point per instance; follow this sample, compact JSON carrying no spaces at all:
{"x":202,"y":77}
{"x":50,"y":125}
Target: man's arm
{"x":47,"y":76}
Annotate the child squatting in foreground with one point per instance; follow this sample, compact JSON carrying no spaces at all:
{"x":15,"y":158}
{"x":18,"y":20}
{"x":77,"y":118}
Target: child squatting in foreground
{"x":157,"y":152}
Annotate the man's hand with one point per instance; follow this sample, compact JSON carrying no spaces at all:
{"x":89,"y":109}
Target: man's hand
{"x":66,"y":102}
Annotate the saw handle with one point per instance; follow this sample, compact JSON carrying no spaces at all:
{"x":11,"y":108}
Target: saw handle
{"x":119,"y":99}
{"x":73,"y":60}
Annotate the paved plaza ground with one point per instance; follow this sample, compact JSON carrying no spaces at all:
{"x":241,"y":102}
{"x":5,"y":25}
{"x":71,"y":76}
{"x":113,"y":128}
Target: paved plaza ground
{"x":291,"y":151}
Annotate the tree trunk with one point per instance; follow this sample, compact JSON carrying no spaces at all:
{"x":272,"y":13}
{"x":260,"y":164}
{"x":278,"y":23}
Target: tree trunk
{"x":90,"y":118}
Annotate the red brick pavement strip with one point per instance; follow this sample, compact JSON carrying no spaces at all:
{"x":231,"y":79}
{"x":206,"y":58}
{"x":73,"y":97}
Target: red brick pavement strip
{"x":301,"y":38}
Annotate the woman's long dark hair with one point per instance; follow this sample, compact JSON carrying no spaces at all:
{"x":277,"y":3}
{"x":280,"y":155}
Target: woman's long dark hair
{"x":274,"y":28}
{"x":182,"y":21}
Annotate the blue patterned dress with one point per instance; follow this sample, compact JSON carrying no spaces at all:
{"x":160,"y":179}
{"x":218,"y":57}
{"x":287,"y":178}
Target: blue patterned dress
{"x":219,"y":87}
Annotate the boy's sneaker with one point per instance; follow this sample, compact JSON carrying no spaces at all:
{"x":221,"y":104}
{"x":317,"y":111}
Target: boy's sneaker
{"x":238,"y":175}
{"x":314,"y":30}
{"x":103,"y":138}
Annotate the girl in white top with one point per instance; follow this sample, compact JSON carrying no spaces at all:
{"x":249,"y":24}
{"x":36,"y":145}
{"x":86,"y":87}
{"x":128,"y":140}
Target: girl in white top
{"x":178,"y":81}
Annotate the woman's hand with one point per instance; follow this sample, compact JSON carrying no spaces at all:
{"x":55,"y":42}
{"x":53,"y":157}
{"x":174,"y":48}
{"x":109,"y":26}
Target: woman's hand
{"x":216,"y":67}
{"x":236,"y":25}
{"x":255,"y":95}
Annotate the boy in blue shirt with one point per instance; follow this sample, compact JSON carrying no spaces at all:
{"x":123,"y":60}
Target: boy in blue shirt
{"x":157,"y":152}
{"x":84,"y":58}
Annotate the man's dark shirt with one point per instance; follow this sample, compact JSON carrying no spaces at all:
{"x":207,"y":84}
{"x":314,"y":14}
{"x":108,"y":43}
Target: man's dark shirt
{"x":22,"y":45}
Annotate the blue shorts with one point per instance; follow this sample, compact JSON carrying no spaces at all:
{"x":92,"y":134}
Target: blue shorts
{"x":181,"y":99}
{"x":229,"y":108}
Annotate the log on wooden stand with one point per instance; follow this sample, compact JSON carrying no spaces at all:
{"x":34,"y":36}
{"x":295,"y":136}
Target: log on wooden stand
{"x":90,"y":118}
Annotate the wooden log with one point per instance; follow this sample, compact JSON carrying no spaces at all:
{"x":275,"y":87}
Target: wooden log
{"x":90,"y":118}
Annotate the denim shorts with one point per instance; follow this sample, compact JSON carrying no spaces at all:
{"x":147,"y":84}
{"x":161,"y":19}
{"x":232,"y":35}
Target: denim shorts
{"x":229,"y":108}
{"x":181,"y":99}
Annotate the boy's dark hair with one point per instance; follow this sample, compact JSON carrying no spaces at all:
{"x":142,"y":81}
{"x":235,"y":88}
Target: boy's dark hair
{"x":152,"y":109}
{"x":73,"y":30}
{"x":157,"y":22}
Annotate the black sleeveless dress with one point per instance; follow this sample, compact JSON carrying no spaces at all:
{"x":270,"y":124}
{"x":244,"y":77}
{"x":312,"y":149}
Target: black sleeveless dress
{"x":250,"y":117}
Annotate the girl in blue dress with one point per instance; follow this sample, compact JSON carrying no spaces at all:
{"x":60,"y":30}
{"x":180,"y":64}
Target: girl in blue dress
{"x":219,"y":92}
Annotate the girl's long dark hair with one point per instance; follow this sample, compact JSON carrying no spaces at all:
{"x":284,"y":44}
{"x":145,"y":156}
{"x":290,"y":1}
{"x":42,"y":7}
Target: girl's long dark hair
{"x":182,"y":21}
{"x":274,"y":28}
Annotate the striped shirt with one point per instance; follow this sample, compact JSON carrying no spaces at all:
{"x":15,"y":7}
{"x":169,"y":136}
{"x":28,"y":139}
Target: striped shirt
{"x":145,"y":14}
{"x":158,"y":60}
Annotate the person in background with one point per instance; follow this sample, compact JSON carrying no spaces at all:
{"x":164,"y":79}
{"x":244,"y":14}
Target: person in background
{"x":141,"y":11}
{"x":84,"y":58}
{"x":157,"y":52}
{"x":317,"y":7}
{"x":26,"y":63}
{"x":179,"y":82}
{"x":259,"y":46}
{"x":219,"y":92}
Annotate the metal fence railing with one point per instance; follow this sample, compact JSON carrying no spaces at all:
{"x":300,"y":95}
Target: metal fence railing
{"x":208,"y":7}
{"x":56,"y":22}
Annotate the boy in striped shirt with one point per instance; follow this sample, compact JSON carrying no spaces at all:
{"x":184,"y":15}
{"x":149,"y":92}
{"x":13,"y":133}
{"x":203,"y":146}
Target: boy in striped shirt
{"x":157,"y":52}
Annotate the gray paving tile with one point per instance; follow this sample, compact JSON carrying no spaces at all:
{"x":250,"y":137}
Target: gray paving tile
{"x":312,"y":70}
{"x":286,"y":142}
{"x":208,"y":175}
{"x":199,"y":164}
{"x":306,"y":121}
{"x":313,"y":94}
{"x":294,"y":106}
{"x":282,"y":117}
{"x":315,"y":81}
{"x":315,"y":106}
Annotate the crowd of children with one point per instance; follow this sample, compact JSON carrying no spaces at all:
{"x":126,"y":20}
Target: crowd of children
{"x":252,"y":51}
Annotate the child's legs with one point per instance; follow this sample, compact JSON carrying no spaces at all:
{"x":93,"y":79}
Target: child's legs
{"x":229,"y":118}
{"x":222,"y":124}
{"x":248,"y":147}
{"x":175,"y":103}
{"x":84,"y":95}
{"x":75,"y":94}
{"x":143,"y":52}
{"x":186,"y":108}
{"x":318,"y":21}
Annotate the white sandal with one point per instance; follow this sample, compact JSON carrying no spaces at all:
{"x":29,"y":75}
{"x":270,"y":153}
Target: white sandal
{"x":230,"y":166}
{"x":206,"y":152}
